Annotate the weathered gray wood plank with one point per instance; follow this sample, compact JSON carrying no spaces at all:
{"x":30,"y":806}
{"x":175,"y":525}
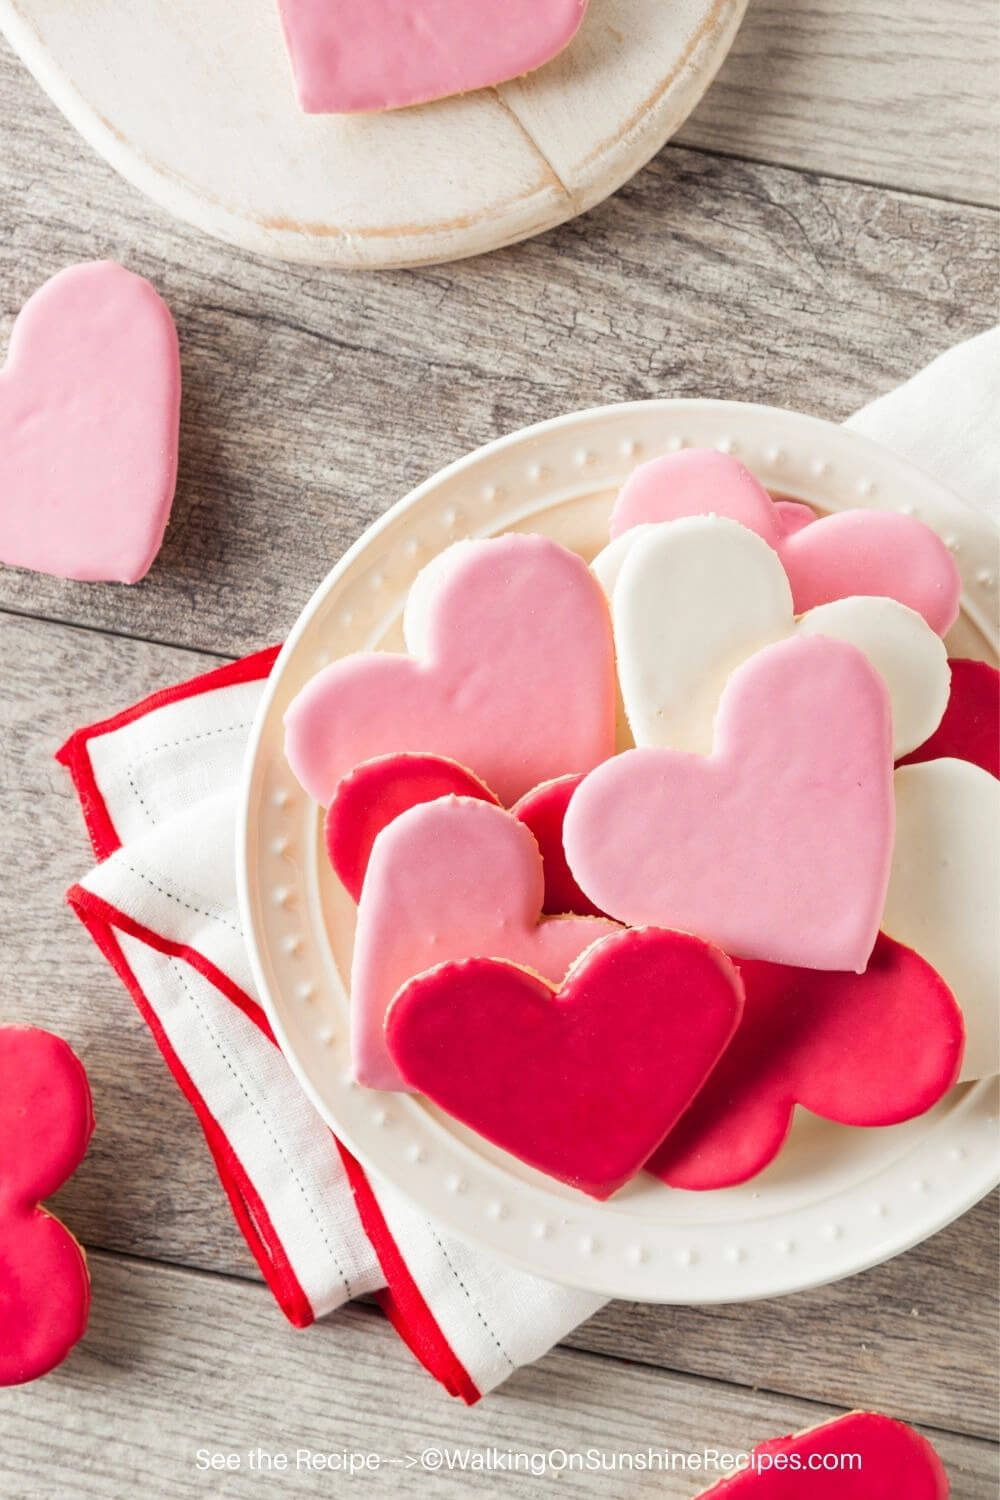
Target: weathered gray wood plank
{"x":161,"y":1375}
{"x":903,"y":93}
{"x":903,"y":1337}
{"x":312,"y":401}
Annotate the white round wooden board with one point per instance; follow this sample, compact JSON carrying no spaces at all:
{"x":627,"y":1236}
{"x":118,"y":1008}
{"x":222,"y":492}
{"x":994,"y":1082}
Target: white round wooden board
{"x":192,"y":101}
{"x":837,"y":1199}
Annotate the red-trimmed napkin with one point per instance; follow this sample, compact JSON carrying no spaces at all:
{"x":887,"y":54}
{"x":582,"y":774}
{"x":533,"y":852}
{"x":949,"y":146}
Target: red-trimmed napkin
{"x":156,"y":784}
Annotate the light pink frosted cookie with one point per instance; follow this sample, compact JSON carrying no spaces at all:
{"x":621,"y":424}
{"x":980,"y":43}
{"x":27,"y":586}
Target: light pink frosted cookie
{"x":775,"y":846}
{"x":854,"y":552}
{"x":514,"y":675}
{"x":581,"y":1082}
{"x":46,"y":1120}
{"x":89,"y":410}
{"x":350,"y":56}
{"x":448,"y":880}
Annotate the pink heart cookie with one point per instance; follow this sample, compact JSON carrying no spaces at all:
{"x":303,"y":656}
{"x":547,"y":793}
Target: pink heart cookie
{"x":862,"y":1049}
{"x":515,"y":678}
{"x":89,"y":411}
{"x":777,"y":845}
{"x":350,"y":56}
{"x":862,"y":1456}
{"x":46,"y":1120}
{"x":854,"y":552}
{"x":582,"y":1083}
{"x":447,"y":880}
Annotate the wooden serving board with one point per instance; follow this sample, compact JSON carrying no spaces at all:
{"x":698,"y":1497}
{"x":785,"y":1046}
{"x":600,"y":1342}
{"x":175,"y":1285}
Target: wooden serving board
{"x":193,"y":103}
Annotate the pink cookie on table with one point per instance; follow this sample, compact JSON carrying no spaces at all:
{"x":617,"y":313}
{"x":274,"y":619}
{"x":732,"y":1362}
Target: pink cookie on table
{"x":970,"y":728}
{"x":512,"y":675}
{"x":89,"y":412}
{"x":879,"y":1459}
{"x":353,"y":56}
{"x":451,"y":879}
{"x":582,"y":1082}
{"x":853,"y":552}
{"x":861,"y":1049}
{"x":777,"y":845}
{"x":46,"y":1120}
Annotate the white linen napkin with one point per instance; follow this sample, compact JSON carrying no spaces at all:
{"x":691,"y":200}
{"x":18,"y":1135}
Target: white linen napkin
{"x":157,"y":785}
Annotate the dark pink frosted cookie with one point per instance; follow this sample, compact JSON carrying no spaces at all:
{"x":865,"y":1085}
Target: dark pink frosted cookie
{"x":862,"y":1049}
{"x":582,"y":1082}
{"x":46,"y":1120}
{"x":970,"y":729}
{"x":862,"y":1456}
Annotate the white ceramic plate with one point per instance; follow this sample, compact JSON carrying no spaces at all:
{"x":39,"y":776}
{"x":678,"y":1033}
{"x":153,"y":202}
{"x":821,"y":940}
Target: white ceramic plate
{"x":837,"y":1199}
{"x":192,"y":102}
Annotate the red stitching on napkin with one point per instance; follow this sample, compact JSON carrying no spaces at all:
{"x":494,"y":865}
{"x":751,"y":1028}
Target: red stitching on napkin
{"x":401,"y":1301}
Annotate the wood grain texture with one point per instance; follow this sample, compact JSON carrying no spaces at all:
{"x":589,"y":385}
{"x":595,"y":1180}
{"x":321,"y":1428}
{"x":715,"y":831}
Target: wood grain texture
{"x":312,"y":401}
{"x":161,"y":1375}
{"x":903,"y":93}
{"x":57,"y":677}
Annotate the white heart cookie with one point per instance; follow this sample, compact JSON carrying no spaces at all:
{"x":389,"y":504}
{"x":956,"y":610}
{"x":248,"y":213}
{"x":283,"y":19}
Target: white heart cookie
{"x":693,"y":599}
{"x":944,"y":891}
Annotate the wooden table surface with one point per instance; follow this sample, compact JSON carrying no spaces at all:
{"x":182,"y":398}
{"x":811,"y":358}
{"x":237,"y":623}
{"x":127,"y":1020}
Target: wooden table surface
{"x":824,"y":225}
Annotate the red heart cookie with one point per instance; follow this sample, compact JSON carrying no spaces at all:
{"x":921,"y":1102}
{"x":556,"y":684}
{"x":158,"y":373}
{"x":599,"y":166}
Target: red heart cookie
{"x":46,"y":1120}
{"x":350,"y":56}
{"x":89,"y":410}
{"x":543,"y":810}
{"x":853,"y":552}
{"x":511,"y":673}
{"x":970,"y":729}
{"x":582,"y":1082}
{"x":862,"y":1049}
{"x":862,"y":1456}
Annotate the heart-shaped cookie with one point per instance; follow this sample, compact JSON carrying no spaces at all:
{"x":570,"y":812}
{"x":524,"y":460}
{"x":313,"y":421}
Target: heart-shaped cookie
{"x":543,"y":810}
{"x":350,"y":56}
{"x":694,"y":598}
{"x":89,"y":411}
{"x":375,"y":793}
{"x":861,"y":1049}
{"x":450,"y":879}
{"x":378,"y":791}
{"x":775,"y":846}
{"x":855,"y":552}
{"x":970,"y":728}
{"x":583,"y":1082}
{"x":515,"y":680}
{"x":944,"y":891}
{"x":46,"y":1120}
{"x":862,"y":1456}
